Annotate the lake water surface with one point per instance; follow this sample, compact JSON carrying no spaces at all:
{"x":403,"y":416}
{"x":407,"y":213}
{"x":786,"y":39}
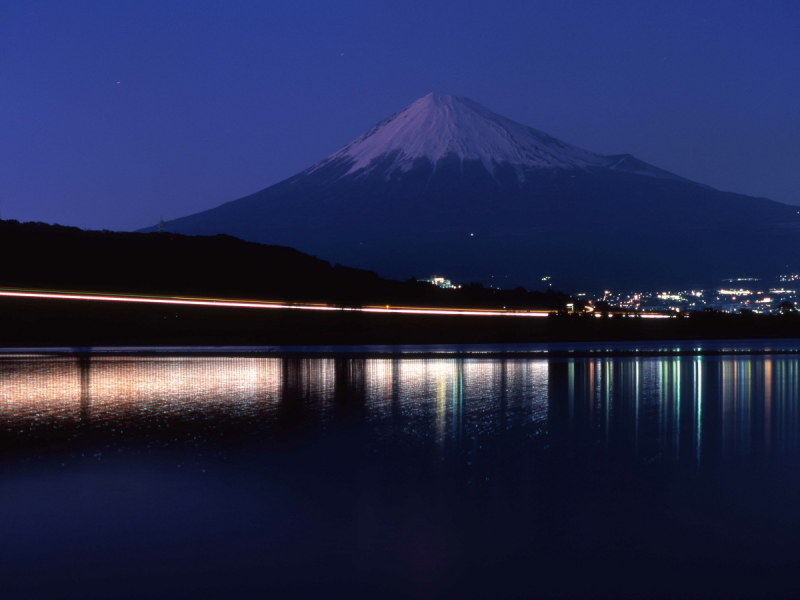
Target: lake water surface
{"x":467,"y":477}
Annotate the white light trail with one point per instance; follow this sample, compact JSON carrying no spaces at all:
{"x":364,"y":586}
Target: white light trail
{"x":221,"y":303}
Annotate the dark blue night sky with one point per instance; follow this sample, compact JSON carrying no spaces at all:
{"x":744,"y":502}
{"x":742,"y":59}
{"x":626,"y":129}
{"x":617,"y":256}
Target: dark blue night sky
{"x":115,"y":113}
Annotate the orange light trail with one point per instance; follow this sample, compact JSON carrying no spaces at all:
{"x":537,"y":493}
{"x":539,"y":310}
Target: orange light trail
{"x":220,"y":303}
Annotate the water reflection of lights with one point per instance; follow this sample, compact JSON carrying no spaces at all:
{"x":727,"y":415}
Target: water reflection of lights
{"x":681,"y":408}
{"x":447,"y":399}
{"x":38,"y":391}
{"x":671,"y":408}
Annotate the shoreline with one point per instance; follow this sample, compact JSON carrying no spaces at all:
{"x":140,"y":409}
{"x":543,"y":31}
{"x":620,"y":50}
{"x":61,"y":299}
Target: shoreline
{"x":660,"y":348}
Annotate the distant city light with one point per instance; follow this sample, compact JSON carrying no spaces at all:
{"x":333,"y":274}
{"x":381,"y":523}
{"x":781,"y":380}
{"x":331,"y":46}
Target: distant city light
{"x":441,"y":282}
{"x":730,"y":299}
{"x":743,"y":279}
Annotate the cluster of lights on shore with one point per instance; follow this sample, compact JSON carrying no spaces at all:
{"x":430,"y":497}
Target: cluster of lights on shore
{"x":732,"y":298}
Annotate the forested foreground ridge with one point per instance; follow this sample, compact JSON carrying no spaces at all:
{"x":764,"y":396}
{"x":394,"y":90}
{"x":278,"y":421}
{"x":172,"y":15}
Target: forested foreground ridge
{"x":39,"y":255}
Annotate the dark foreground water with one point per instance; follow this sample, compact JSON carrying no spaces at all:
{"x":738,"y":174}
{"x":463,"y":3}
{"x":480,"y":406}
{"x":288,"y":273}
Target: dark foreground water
{"x":239,"y":477}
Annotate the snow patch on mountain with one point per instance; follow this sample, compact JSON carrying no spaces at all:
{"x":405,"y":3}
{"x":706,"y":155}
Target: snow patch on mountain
{"x":435,"y":127}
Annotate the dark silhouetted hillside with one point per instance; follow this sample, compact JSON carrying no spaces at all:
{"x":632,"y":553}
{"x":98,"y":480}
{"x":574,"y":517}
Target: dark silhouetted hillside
{"x":39,"y":255}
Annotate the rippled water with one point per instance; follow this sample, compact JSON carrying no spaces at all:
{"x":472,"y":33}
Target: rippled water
{"x":197,"y":476}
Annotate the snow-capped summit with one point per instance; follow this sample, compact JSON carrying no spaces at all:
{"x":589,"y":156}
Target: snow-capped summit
{"x":437,"y":127}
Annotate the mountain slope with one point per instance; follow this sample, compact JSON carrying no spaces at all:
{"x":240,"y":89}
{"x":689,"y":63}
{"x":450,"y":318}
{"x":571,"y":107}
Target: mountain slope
{"x":448,"y":186}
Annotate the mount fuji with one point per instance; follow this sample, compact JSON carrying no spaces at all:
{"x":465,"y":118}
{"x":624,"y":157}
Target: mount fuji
{"x":448,"y":187}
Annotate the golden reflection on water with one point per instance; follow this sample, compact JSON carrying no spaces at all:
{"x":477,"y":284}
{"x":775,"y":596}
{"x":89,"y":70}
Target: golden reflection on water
{"x":677,"y":408}
{"x":60,"y":390}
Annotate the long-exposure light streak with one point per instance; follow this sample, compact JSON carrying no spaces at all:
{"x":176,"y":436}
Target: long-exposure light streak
{"x":223,"y":303}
